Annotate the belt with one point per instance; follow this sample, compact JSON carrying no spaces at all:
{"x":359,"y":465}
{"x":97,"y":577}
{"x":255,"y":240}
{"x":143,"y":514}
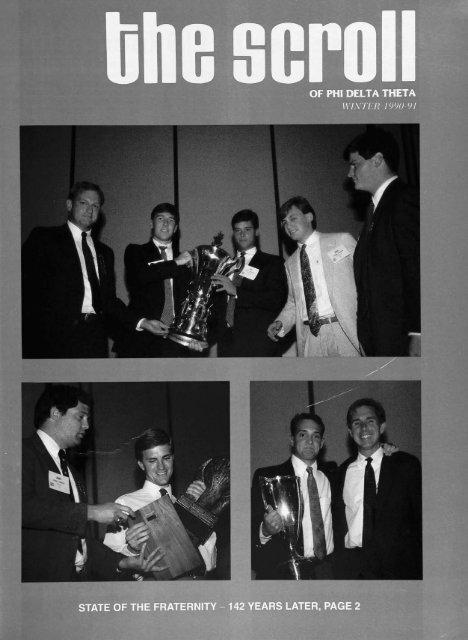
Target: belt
{"x":88,"y":318}
{"x":322,"y":321}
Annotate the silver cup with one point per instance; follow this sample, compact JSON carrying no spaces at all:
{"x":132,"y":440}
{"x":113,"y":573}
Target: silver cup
{"x":283,"y":493}
{"x":190,"y":325}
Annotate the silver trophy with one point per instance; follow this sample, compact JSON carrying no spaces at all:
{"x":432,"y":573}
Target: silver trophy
{"x":283,"y":493}
{"x":190,"y":325}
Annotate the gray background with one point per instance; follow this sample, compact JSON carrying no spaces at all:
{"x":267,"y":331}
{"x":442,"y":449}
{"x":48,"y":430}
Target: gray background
{"x":53,"y":72}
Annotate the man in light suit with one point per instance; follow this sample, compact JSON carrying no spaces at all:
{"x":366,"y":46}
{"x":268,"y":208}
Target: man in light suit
{"x":386,"y":260}
{"x":256,"y":294}
{"x":377,"y":510}
{"x":321,"y":290}
{"x":69,"y":301}
{"x":270,"y":550}
{"x":157,"y":279}
{"x":57,"y":543}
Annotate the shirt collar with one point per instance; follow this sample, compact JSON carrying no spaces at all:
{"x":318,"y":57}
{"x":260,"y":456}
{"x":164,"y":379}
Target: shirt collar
{"x":159,"y":244}
{"x":76,"y":231}
{"x":49,"y":443}
{"x":311,"y":241}
{"x":300,"y":466}
{"x":155,"y":489}
{"x":379,"y":193}
{"x":376,"y":457}
{"x":249,"y":253}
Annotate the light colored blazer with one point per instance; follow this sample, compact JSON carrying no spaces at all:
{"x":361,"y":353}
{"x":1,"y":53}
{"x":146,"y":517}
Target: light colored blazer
{"x":339,"y":277}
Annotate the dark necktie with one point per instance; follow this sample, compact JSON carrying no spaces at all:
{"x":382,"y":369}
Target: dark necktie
{"x":236,"y":280}
{"x":309,"y":292}
{"x":64,"y":467}
{"x":92,"y":275}
{"x":162,"y":493}
{"x":369,"y":500}
{"x":320,"y":546}
{"x":167,"y":315}
{"x":370,"y":217}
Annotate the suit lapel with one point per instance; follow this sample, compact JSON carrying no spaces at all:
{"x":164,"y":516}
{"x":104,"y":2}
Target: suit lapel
{"x":326,"y":245}
{"x":70,"y":255}
{"x":386,"y":478}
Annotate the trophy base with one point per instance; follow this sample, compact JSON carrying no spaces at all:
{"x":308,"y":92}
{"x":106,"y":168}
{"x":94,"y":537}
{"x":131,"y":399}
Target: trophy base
{"x":290,"y":570}
{"x":185,"y":340}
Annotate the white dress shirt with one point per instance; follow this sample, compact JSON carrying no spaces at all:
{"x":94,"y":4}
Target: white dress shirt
{"x":87,"y":306}
{"x":138,"y":499}
{"x":324,"y":305}
{"x":353,"y":495}
{"x":53,"y":449}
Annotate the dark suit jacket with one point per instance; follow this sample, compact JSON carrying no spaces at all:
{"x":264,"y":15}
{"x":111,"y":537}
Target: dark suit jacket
{"x":145,"y":275}
{"x":52,"y":525}
{"x":387,"y":273}
{"x":258,"y":303}
{"x":396,"y":552}
{"x":53,"y":291}
{"x":267,"y":557}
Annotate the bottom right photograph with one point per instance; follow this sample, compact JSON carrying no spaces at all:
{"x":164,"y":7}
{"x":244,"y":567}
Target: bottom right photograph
{"x":336,"y":480}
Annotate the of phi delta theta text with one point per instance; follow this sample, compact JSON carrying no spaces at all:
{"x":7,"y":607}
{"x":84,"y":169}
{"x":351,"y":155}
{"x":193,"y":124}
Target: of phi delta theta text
{"x":398,"y":99}
{"x":229,"y":607}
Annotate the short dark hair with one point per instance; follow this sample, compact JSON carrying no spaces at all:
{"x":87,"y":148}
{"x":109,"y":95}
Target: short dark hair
{"x":165,"y":207}
{"x":366,"y":402}
{"x":245,"y":215}
{"x":299,"y":417}
{"x":302,"y":204}
{"x":149,"y":439}
{"x":79,"y":187}
{"x":60,"y":396}
{"x":373,"y":141}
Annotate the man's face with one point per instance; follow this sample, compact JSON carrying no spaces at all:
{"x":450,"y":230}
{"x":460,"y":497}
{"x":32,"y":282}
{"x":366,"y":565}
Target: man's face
{"x":366,"y":430}
{"x":71,"y":426}
{"x":307,"y":441}
{"x":244,"y":235}
{"x":84,"y":210}
{"x":164,"y":226}
{"x":364,"y":172}
{"x":298,"y":225}
{"x":158,"y":464}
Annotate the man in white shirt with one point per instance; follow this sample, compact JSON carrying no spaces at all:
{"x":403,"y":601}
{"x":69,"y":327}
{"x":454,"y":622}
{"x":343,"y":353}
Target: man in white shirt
{"x":57,"y":545}
{"x":69,"y":302}
{"x":255,"y":295}
{"x":154,"y":455}
{"x":269,"y":549}
{"x":321,"y":301}
{"x":377,"y":517}
{"x":386,"y":260}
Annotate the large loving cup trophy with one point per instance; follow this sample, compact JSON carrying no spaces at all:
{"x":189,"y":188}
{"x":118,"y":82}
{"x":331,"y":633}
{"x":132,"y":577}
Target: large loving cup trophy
{"x":283,"y":493}
{"x":190,"y":325}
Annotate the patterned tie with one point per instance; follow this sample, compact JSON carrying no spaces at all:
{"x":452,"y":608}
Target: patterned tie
{"x":92,"y":275}
{"x":162,"y":493}
{"x":167,"y":315}
{"x":320,"y":546}
{"x":369,"y":501}
{"x":236,"y":279}
{"x":309,"y":293}
{"x":64,"y":467}
{"x":370,"y":217}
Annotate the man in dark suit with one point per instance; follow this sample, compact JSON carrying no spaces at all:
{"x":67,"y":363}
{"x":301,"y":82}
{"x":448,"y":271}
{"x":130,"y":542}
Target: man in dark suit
{"x":57,"y":545}
{"x":69,"y":300}
{"x":270,"y":552}
{"x":157,"y":279}
{"x":254,"y":296}
{"x":377,"y":517}
{"x":386,"y":259}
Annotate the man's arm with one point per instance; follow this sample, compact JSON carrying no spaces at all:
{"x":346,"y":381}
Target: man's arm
{"x":140,"y":271}
{"x":287,"y":316}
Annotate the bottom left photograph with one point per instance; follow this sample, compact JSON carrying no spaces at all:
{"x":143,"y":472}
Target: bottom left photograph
{"x":125,"y":481}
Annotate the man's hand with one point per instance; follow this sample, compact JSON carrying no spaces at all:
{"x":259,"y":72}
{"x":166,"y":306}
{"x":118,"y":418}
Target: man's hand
{"x":272,"y":522}
{"x":196,"y":489}
{"x":138,"y":563}
{"x":155,"y":326}
{"x":136,"y":536}
{"x":273,"y":330}
{"x":184,"y":258}
{"x":223,"y":283}
{"x":194,"y":345}
{"x":414,"y":347}
{"x":109,"y":513}
{"x":388,"y":448}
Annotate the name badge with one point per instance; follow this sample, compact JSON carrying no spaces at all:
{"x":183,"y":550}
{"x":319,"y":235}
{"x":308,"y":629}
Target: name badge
{"x":57,"y":482}
{"x":338,"y":254}
{"x":249,"y":272}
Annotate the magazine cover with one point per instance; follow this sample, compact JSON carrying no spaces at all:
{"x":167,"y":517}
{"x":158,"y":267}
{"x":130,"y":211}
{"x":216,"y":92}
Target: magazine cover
{"x":231,"y":305}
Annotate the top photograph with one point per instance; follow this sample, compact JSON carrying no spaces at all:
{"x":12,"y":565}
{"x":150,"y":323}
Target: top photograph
{"x":220,"y":241}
